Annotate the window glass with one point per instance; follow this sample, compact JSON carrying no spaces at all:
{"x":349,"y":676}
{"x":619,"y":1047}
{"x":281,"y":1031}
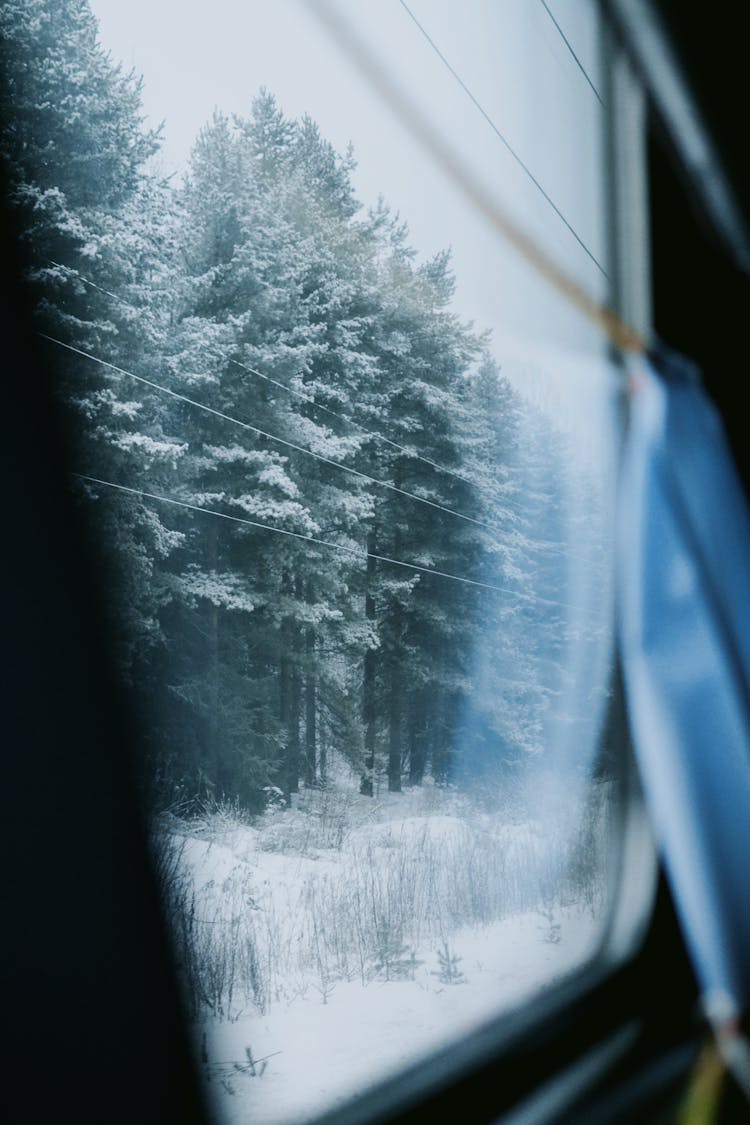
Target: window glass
{"x":351,"y":464}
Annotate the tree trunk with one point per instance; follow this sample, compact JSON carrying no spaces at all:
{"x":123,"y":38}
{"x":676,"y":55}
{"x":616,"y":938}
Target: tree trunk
{"x":293,"y":742}
{"x":367,"y":784}
{"x":417,"y":743}
{"x":289,"y":700}
{"x":394,"y":731}
{"x":310,"y":709}
{"x":214,"y":771}
{"x":284,"y":709}
{"x":442,"y":746}
{"x":396,"y":682}
{"x":322,"y":755}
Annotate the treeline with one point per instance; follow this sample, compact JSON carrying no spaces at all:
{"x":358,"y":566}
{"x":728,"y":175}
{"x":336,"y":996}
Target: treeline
{"x":341,"y":415}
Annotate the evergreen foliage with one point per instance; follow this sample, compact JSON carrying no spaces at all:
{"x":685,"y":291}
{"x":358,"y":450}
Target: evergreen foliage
{"x":258,"y":656}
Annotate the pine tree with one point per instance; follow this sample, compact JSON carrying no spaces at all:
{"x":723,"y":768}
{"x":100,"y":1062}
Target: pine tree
{"x":75,"y":150}
{"x":262,"y":291}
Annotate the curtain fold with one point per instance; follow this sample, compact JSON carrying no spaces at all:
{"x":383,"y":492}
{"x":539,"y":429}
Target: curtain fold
{"x":684,"y":633}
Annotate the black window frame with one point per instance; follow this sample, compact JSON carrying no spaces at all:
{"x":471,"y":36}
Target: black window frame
{"x":615,"y":1041}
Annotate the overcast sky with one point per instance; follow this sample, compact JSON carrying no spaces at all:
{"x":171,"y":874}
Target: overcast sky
{"x":196,"y":56}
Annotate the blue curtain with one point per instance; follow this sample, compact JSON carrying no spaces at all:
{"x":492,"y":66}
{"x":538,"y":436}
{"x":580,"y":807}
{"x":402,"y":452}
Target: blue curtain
{"x":684,"y":629}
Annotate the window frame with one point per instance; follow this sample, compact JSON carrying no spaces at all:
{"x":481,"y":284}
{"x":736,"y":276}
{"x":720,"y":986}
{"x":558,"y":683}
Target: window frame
{"x":639,"y":1045}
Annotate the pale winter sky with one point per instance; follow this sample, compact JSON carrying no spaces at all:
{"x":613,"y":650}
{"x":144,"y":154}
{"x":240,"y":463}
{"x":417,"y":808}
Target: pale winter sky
{"x":196,"y":57}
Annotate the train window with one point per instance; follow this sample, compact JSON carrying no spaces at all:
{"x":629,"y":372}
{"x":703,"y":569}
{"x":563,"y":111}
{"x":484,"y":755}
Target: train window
{"x":351,"y":460}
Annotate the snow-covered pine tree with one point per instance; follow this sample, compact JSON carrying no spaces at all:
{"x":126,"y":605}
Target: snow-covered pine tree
{"x":518,"y":460}
{"x":261,"y":290}
{"x":424,"y":624}
{"x":260,"y":248}
{"x":76,"y":152}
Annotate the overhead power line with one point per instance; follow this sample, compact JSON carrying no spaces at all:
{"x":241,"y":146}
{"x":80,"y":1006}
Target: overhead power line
{"x":621,"y":334}
{"x":301,"y":449}
{"x":568,"y":44}
{"x":305,"y":398}
{"x":501,"y":137}
{"x":350,"y":422}
{"x":410,"y":452}
{"x":87,"y":281}
{"x":362,"y":555}
{"x":265,"y":434}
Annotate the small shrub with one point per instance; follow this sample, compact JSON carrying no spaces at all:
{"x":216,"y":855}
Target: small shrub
{"x":392,"y":959}
{"x":448,"y":971}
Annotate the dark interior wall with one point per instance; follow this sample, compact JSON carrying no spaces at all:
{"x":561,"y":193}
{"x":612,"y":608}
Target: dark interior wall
{"x":93,"y":1027}
{"x":701,"y":299}
{"x":711,"y":44}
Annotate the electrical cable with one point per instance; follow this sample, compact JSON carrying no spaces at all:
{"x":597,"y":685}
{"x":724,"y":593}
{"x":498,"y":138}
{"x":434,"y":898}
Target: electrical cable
{"x":568,"y":44}
{"x":622,"y":335}
{"x":265,"y":434}
{"x":521,"y":163}
{"x":87,"y":281}
{"x":362,"y":555}
{"x":350,"y":422}
{"x":230,"y":418}
{"x":290,"y":390}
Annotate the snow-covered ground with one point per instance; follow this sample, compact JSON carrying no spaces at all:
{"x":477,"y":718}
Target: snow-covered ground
{"x":328,"y":945}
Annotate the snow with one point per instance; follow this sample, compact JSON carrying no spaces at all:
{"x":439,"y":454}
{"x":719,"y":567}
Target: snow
{"x":275,"y":475}
{"x":224,"y":590}
{"x":372,"y":932}
{"x":264,"y":507}
{"x":151,"y":449}
{"x":321,"y":1053}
